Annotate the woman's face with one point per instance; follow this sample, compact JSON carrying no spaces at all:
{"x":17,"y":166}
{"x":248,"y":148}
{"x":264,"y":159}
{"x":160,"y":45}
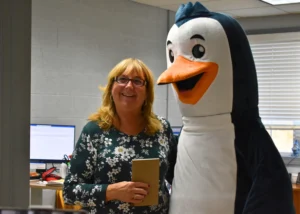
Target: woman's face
{"x":129,"y":95}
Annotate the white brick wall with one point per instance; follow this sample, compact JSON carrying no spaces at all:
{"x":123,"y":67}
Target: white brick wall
{"x":174,"y":114}
{"x":75,"y":43}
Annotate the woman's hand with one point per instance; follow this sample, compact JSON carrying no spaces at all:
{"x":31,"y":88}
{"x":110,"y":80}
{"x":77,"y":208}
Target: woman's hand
{"x":131,"y":192}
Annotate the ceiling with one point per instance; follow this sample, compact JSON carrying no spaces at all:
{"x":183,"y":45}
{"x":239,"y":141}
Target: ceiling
{"x":235,"y":8}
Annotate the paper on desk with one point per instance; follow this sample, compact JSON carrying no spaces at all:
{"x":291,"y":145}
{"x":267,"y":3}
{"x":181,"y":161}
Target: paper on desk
{"x":56,"y":182}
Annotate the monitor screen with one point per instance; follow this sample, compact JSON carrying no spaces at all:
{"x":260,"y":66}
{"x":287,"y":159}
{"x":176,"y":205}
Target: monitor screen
{"x":49,"y":143}
{"x":176,"y":130}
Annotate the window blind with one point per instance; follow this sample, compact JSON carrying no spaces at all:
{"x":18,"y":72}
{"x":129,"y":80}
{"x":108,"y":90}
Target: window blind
{"x":297,"y":134}
{"x":277,"y":60}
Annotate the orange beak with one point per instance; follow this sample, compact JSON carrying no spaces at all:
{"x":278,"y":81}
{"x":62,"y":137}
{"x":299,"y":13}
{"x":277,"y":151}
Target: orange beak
{"x":183,"y":71}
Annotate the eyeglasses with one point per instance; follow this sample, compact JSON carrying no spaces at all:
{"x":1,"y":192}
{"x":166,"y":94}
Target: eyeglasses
{"x":124,"y":80}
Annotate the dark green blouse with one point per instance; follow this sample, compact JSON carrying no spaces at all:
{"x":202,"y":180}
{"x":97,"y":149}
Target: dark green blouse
{"x":102,"y":157}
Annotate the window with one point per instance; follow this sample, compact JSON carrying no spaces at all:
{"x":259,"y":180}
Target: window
{"x":277,"y":60}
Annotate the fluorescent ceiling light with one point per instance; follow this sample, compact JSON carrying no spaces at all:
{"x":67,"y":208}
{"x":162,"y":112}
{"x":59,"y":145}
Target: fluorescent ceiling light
{"x":279,"y":2}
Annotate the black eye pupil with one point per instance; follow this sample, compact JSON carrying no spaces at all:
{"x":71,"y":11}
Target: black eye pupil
{"x":198,"y":51}
{"x":171,"y":56}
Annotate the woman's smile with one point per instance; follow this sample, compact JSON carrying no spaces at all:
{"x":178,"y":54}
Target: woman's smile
{"x":130,"y":96}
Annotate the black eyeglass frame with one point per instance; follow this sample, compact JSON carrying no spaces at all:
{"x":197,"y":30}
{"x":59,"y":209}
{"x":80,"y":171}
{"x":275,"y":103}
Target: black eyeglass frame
{"x":116,"y":79}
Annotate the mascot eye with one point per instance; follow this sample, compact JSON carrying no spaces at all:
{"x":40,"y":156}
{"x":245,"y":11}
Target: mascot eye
{"x":171,"y":56}
{"x":198,"y":51}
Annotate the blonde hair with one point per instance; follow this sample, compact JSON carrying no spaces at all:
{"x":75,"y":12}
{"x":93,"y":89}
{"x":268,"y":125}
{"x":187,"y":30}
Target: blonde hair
{"x":107,"y":112}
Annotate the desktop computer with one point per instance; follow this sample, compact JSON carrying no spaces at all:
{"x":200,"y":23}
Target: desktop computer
{"x":176,"y":130}
{"x":50,"y":143}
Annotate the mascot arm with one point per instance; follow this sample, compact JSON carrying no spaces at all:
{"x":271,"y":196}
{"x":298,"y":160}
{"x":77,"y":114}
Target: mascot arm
{"x":271,"y":190}
{"x":173,"y":142}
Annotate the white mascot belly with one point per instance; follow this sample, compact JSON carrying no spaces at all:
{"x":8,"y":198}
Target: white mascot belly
{"x":205,"y":171}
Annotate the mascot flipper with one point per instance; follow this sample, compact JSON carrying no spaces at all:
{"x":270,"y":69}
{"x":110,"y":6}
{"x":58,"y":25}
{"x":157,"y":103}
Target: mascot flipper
{"x":226,"y":162}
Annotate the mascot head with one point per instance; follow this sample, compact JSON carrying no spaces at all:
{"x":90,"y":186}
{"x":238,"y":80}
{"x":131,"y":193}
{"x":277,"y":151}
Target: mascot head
{"x":210,"y":64}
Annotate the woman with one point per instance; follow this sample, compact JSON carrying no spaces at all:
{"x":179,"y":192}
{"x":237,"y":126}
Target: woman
{"x":123,"y":129}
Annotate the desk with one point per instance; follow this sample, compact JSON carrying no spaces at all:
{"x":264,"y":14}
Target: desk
{"x":296,"y":196}
{"x":37,"y":196}
{"x":37,"y":191}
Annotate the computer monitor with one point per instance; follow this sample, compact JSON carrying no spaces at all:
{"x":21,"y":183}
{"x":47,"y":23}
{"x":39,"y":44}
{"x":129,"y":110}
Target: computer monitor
{"x":49,"y":143}
{"x":176,"y":130}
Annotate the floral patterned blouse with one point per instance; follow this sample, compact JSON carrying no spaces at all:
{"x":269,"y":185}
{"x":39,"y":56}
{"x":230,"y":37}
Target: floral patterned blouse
{"x":102,"y":157}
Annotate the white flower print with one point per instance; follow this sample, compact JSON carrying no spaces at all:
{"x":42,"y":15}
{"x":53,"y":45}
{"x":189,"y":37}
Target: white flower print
{"x":95,"y":189}
{"x":162,"y":154}
{"x":93,"y":211}
{"x":83,"y":137}
{"x":142,"y":143}
{"x":111,"y":161}
{"x":123,"y":153}
{"x":77,"y":189}
{"x":74,"y":155}
{"x":153,"y":207}
{"x":110,"y":174}
{"x":166,"y":138}
{"x":105,"y":132}
{"x":165,"y":198}
{"x":91,"y":203}
{"x":74,"y":178}
{"x":162,"y":140}
{"x":125,"y":139}
{"x":111,"y":211}
{"x":82,"y":147}
{"x":124,"y":207}
{"x":130,"y":152}
{"x":116,"y":171}
{"x":88,"y":164}
{"x":148,"y":143}
{"x":119,"y":150}
{"x":106,"y":151}
{"x":89,"y":147}
{"x":86,"y":173}
{"x":125,"y":156}
{"x":107,"y":142}
{"x":145,"y":151}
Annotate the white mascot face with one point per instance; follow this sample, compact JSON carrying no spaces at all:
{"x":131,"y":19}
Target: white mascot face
{"x":199,"y":67}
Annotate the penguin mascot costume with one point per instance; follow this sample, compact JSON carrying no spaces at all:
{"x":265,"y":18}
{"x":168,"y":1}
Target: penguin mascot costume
{"x":226,"y":161}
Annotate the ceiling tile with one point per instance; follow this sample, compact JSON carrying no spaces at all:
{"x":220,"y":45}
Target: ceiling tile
{"x":262,"y":11}
{"x":173,"y":7}
{"x":147,"y":2}
{"x":235,"y":8}
{"x":233,"y":4}
{"x":163,"y":2}
{"x":292,"y":8}
{"x":227,"y":13}
{"x":214,"y":5}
